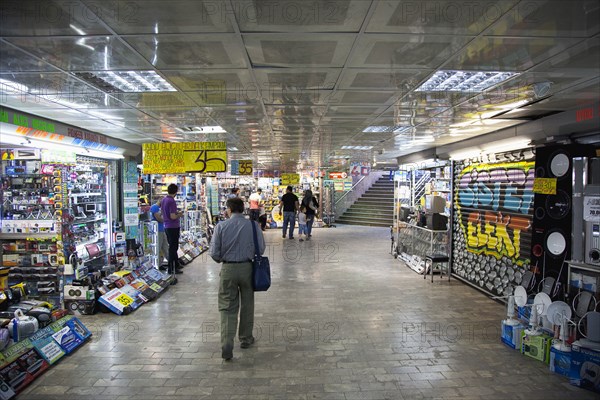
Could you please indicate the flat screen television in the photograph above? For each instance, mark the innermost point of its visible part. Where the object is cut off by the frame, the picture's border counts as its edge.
(434, 204)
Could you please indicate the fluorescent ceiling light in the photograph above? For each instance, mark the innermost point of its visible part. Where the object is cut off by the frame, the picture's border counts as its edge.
(134, 81)
(357, 147)
(463, 81)
(378, 129)
(498, 146)
(77, 29)
(400, 129)
(5, 83)
(465, 154)
(201, 129)
(506, 145)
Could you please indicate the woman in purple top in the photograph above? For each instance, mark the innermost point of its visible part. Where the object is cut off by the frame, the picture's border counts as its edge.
(171, 218)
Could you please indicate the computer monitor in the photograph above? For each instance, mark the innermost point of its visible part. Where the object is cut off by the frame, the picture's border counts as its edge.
(404, 213)
(90, 208)
(434, 204)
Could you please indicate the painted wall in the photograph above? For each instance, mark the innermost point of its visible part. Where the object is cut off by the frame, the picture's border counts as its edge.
(493, 209)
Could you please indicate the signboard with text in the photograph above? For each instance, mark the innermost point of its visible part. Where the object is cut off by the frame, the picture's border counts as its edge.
(241, 167)
(544, 185)
(290, 179)
(338, 175)
(181, 158)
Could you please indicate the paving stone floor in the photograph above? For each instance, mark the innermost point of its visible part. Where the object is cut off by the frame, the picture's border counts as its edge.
(343, 320)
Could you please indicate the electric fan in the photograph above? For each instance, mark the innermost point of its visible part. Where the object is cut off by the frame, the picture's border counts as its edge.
(559, 313)
(521, 300)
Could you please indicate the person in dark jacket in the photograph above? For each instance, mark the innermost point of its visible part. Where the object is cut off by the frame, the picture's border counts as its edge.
(311, 205)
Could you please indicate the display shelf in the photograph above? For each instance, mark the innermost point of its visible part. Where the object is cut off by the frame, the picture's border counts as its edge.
(28, 236)
(414, 243)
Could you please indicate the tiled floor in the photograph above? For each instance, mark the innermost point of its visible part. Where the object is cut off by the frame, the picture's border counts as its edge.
(343, 320)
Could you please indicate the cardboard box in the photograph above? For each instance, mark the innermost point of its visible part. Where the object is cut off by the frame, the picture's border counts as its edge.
(537, 347)
(585, 367)
(560, 362)
(512, 334)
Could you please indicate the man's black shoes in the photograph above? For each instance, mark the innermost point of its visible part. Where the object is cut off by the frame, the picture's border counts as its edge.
(247, 343)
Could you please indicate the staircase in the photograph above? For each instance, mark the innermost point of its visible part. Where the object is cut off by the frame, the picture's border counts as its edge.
(374, 208)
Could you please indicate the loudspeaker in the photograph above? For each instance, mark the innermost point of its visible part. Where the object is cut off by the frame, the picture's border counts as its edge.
(552, 217)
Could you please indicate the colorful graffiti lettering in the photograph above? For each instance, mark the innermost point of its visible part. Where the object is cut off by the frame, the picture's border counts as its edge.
(494, 204)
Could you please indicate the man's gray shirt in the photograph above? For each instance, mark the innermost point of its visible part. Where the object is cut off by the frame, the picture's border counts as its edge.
(232, 240)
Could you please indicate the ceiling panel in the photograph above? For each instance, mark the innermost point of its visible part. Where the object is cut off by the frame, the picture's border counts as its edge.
(49, 17)
(507, 54)
(158, 16)
(552, 18)
(273, 79)
(90, 53)
(300, 16)
(212, 80)
(49, 84)
(437, 17)
(285, 50)
(395, 80)
(14, 60)
(190, 51)
(405, 51)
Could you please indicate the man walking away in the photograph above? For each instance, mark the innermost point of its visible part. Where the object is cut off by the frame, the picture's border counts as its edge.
(233, 245)
(255, 203)
(289, 205)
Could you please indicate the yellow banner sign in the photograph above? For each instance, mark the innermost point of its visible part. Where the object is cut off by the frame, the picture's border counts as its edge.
(544, 185)
(180, 158)
(245, 167)
(290, 179)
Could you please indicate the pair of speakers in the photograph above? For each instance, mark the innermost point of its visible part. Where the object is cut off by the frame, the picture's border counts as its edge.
(553, 213)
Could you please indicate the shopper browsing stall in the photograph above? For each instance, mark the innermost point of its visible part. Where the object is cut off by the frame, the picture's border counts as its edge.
(310, 204)
(233, 245)
(235, 192)
(163, 244)
(288, 206)
(171, 217)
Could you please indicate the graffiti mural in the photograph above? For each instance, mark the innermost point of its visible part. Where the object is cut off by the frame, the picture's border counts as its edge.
(494, 202)
(493, 222)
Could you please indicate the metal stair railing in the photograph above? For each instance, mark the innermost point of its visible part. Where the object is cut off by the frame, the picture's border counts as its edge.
(347, 198)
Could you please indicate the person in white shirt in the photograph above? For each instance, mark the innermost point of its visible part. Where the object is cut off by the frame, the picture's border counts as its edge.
(255, 202)
(302, 228)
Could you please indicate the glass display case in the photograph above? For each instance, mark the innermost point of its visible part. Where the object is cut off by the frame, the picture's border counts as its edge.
(414, 243)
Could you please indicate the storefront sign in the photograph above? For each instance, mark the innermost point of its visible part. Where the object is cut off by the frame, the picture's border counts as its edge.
(181, 158)
(290, 179)
(58, 157)
(544, 185)
(494, 203)
(338, 175)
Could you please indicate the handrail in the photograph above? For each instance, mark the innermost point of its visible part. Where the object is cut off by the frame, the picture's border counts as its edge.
(349, 190)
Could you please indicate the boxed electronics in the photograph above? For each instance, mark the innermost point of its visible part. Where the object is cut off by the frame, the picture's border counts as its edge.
(585, 367)
(536, 346)
(512, 334)
(560, 362)
(78, 293)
